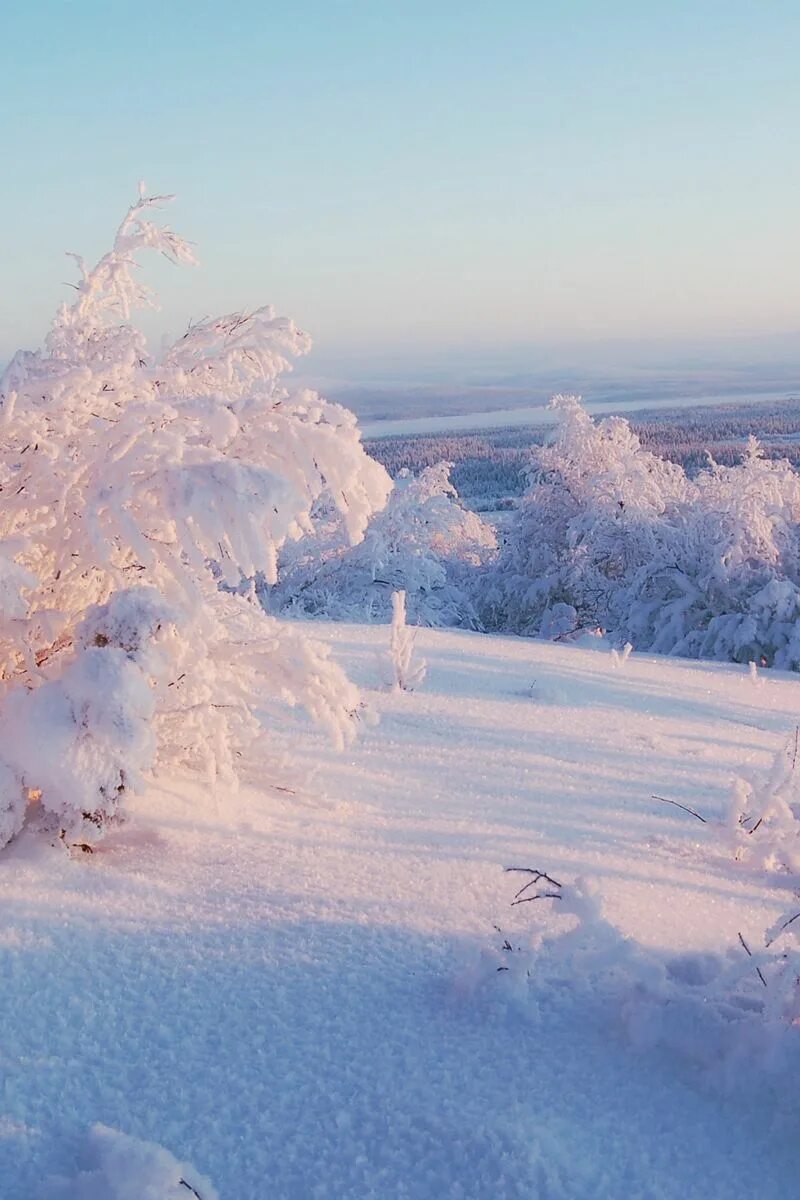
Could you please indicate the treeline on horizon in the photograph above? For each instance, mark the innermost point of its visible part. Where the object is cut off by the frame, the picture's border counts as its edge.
(489, 466)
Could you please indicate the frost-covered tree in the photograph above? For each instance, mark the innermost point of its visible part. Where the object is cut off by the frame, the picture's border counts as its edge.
(609, 535)
(423, 543)
(132, 486)
(586, 523)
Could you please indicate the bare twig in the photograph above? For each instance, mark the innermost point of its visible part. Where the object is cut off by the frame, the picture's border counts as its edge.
(538, 896)
(188, 1186)
(749, 954)
(536, 876)
(785, 925)
(664, 800)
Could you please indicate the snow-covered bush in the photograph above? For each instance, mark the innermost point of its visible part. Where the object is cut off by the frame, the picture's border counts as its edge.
(583, 528)
(120, 1167)
(423, 542)
(406, 669)
(782, 966)
(719, 1009)
(610, 536)
(764, 814)
(724, 583)
(171, 473)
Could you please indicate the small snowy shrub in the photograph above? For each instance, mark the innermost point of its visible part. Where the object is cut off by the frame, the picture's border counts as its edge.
(782, 945)
(180, 474)
(119, 1167)
(764, 814)
(717, 1009)
(406, 670)
(422, 542)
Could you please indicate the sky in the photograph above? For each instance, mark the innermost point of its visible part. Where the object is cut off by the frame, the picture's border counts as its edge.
(414, 182)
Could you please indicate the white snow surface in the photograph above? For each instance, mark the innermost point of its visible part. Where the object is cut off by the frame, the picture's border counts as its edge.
(290, 993)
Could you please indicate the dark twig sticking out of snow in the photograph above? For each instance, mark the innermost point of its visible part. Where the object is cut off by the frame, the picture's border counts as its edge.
(664, 800)
(780, 930)
(749, 954)
(188, 1186)
(521, 898)
(536, 876)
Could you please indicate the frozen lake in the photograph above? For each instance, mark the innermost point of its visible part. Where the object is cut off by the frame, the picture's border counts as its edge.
(540, 414)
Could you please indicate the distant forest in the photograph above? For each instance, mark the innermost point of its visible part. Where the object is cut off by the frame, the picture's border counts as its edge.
(489, 466)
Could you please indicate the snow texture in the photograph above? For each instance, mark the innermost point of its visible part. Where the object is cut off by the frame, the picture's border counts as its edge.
(300, 996)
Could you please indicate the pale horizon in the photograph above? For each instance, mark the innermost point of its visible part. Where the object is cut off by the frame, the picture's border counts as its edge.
(407, 183)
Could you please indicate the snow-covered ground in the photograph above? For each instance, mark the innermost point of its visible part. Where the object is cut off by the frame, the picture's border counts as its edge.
(291, 991)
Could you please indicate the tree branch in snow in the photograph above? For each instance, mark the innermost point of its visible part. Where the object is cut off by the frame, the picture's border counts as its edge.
(749, 954)
(536, 877)
(691, 811)
(782, 927)
(188, 1186)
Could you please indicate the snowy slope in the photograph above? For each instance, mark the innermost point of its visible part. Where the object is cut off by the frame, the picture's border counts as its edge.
(291, 992)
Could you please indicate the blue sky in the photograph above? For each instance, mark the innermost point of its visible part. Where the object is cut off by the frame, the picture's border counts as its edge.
(416, 179)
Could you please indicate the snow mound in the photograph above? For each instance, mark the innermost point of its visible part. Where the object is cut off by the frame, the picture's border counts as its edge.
(125, 1168)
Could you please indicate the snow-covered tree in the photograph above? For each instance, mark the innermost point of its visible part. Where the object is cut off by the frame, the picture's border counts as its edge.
(610, 536)
(585, 525)
(423, 543)
(174, 473)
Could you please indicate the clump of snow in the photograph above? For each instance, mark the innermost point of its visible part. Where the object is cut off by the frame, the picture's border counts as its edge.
(120, 1167)
(132, 620)
(81, 741)
(620, 657)
(717, 1009)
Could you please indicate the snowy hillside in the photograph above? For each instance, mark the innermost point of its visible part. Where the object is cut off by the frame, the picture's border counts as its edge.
(299, 994)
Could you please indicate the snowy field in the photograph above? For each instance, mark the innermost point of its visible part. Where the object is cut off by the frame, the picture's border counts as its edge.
(299, 994)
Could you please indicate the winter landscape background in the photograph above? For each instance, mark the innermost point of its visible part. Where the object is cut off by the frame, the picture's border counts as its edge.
(400, 685)
(520, 915)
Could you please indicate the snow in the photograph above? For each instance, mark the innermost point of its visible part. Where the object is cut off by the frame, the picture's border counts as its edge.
(296, 993)
(125, 1168)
